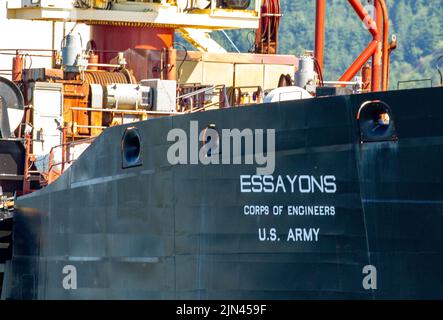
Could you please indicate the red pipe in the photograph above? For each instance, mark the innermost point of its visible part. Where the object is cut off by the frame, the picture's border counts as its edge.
(26, 179)
(364, 16)
(366, 73)
(17, 67)
(392, 47)
(377, 48)
(386, 46)
(171, 63)
(359, 62)
(378, 55)
(320, 32)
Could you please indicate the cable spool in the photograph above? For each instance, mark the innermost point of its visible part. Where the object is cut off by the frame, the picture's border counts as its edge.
(106, 77)
(267, 35)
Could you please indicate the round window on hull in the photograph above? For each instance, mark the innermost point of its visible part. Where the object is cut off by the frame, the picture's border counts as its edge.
(376, 122)
(131, 148)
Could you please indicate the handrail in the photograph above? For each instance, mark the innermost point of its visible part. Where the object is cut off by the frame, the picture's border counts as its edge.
(123, 111)
(59, 163)
(222, 93)
(67, 144)
(412, 81)
(197, 92)
(63, 145)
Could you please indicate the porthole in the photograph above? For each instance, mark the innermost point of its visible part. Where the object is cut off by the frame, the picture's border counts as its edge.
(131, 148)
(376, 122)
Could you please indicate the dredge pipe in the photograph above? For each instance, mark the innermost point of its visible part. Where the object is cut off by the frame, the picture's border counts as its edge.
(360, 61)
(320, 32)
(386, 46)
(374, 48)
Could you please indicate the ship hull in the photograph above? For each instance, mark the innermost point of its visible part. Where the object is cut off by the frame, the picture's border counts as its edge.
(348, 217)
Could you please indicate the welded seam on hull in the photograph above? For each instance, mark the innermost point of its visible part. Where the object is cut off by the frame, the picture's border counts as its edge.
(87, 183)
(96, 259)
(319, 149)
(360, 186)
(436, 202)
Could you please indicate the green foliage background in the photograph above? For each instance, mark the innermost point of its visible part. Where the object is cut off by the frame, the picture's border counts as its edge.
(418, 25)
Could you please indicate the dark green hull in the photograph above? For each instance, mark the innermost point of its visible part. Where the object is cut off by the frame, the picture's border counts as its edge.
(161, 231)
